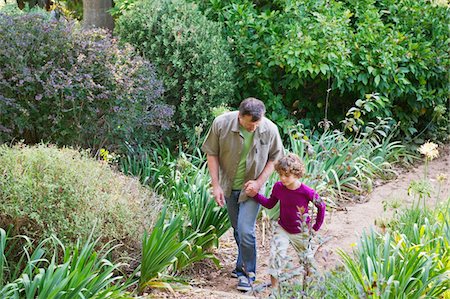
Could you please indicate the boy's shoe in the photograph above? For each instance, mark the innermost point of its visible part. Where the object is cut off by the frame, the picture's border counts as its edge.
(245, 283)
(234, 273)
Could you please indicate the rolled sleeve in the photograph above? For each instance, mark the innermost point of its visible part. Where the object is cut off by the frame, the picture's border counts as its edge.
(211, 144)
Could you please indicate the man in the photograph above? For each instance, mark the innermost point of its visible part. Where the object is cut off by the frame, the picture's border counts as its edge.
(241, 148)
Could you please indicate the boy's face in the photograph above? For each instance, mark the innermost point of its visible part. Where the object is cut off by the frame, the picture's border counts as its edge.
(290, 181)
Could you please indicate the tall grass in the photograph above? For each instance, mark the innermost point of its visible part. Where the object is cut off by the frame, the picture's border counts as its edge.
(50, 270)
(411, 263)
(184, 181)
(341, 166)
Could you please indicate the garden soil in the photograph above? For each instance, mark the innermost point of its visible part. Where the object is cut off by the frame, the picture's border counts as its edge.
(340, 230)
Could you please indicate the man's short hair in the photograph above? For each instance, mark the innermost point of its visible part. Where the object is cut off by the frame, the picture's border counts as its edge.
(253, 107)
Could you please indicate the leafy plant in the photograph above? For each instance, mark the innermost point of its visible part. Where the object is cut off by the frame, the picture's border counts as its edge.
(207, 221)
(339, 164)
(160, 250)
(410, 261)
(394, 267)
(120, 6)
(190, 56)
(83, 272)
(68, 86)
(184, 181)
(301, 56)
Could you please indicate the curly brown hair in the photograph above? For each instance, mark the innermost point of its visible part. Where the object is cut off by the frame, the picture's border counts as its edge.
(290, 164)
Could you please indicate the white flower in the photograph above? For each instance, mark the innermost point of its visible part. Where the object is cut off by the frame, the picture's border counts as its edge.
(429, 150)
(442, 177)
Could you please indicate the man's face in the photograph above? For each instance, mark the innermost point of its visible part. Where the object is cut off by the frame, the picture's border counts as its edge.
(246, 122)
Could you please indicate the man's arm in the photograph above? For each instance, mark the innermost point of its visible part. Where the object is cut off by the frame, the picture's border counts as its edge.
(252, 187)
(213, 167)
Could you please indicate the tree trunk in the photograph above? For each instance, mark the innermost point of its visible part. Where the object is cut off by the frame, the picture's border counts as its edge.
(95, 14)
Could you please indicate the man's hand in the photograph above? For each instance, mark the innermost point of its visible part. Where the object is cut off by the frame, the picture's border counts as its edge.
(252, 188)
(250, 193)
(218, 195)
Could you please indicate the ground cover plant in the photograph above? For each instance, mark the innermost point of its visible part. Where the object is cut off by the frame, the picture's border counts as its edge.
(69, 86)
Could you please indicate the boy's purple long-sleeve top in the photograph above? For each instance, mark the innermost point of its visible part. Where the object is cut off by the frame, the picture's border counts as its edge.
(290, 203)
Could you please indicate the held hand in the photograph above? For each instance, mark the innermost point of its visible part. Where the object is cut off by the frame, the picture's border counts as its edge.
(218, 195)
(250, 193)
(252, 188)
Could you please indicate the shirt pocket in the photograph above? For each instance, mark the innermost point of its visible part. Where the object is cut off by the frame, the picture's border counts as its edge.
(261, 150)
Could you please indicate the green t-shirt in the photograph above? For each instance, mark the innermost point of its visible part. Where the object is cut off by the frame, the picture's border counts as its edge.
(238, 182)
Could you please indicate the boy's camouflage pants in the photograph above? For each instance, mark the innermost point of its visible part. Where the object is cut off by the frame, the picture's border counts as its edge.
(279, 246)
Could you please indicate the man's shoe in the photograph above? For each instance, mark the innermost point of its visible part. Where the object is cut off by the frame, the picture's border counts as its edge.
(244, 284)
(234, 273)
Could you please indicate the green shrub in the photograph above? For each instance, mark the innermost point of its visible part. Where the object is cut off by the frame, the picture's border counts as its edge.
(297, 54)
(190, 54)
(62, 85)
(45, 190)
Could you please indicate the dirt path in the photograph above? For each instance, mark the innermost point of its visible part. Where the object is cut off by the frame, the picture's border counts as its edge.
(341, 229)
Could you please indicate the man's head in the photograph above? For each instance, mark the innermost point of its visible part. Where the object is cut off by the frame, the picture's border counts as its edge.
(251, 112)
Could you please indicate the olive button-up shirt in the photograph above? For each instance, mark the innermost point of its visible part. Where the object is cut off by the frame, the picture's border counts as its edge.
(225, 141)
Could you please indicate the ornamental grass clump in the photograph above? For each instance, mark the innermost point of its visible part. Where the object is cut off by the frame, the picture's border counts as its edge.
(184, 182)
(51, 270)
(46, 190)
(412, 260)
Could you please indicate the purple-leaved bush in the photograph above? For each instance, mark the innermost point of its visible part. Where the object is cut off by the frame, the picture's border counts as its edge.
(69, 86)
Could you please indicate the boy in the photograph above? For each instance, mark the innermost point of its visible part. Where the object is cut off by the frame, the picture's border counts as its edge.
(293, 225)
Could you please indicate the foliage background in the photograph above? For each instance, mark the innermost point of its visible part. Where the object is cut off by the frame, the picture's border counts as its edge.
(71, 87)
(311, 59)
(190, 54)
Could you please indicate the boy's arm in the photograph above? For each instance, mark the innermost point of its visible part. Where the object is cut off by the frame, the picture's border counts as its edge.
(267, 202)
(320, 204)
